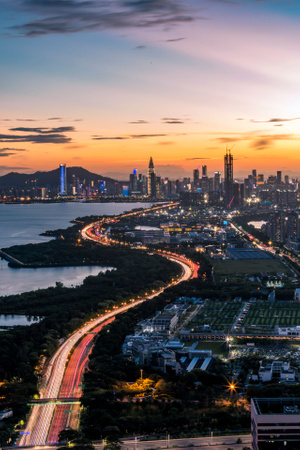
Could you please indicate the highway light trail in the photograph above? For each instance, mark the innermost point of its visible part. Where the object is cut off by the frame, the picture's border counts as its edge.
(62, 378)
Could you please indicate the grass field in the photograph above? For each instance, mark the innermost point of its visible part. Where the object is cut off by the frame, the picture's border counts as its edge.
(217, 348)
(230, 267)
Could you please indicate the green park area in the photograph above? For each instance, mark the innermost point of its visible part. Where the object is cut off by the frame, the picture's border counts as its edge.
(217, 348)
(250, 267)
(265, 315)
(219, 315)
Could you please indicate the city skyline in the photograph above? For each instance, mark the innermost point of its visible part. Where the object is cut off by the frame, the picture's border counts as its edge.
(106, 87)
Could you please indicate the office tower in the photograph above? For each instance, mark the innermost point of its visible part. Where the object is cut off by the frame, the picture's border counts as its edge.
(254, 177)
(204, 171)
(260, 178)
(196, 178)
(275, 227)
(238, 194)
(228, 177)
(279, 176)
(63, 179)
(151, 182)
(292, 225)
(286, 179)
(102, 187)
(133, 182)
(217, 181)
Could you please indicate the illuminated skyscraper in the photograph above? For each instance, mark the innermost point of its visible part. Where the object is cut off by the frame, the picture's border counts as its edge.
(228, 177)
(63, 179)
(151, 182)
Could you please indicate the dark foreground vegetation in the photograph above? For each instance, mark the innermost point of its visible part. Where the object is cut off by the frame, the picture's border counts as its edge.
(65, 309)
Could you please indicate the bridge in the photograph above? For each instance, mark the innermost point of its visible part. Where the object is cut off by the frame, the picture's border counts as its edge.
(55, 401)
(10, 258)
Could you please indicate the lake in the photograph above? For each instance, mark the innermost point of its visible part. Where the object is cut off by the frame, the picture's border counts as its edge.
(22, 224)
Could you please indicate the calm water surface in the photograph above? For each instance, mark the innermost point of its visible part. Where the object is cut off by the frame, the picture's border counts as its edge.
(9, 320)
(22, 224)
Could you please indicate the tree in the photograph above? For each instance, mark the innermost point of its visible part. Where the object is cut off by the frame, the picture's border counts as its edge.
(68, 435)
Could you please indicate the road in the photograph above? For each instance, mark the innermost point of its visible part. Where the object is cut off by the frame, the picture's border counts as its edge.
(46, 421)
(211, 441)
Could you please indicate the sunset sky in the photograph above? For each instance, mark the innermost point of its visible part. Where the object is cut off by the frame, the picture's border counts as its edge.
(107, 84)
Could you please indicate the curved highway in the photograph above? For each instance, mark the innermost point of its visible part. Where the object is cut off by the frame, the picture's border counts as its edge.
(47, 420)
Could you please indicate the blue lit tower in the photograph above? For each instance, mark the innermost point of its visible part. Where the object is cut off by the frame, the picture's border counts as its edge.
(63, 179)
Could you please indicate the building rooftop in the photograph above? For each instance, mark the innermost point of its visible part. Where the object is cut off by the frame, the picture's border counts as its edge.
(277, 406)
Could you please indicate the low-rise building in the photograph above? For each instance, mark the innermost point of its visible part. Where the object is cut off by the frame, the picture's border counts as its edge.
(275, 370)
(275, 421)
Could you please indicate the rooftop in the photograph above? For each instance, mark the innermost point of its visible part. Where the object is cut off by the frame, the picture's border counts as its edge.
(276, 405)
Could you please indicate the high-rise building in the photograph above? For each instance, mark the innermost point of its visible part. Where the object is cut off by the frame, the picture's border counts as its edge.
(151, 182)
(279, 176)
(196, 178)
(133, 183)
(204, 171)
(254, 177)
(260, 178)
(63, 179)
(228, 177)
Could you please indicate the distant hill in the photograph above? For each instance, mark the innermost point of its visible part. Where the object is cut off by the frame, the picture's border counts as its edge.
(51, 178)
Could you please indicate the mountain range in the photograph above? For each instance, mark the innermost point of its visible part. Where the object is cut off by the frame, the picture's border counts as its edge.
(52, 178)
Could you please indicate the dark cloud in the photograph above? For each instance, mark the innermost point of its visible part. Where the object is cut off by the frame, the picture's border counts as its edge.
(140, 47)
(132, 136)
(139, 122)
(274, 120)
(55, 118)
(193, 159)
(7, 151)
(27, 120)
(228, 140)
(36, 139)
(73, 16)
(262, 144)
(43, 130)
(14, 168)
(175, 40)
(172, 120)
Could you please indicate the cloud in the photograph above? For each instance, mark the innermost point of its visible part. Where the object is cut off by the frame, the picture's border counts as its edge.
(262, 144)
(193, 159)
(140, 47)
(14, 168)
(7, 151)
(132, 136)
(274, 120)
(74, 147)
(27, 120)
(36, 139)
(43, 130)
(73, 16)
(172, 120)
(166, 143)
(174, 40)
(55, 118)
(139, 122)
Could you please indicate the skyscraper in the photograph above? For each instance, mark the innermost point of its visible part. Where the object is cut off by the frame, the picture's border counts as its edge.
(63, 179)
(228, 177)
(151, 182)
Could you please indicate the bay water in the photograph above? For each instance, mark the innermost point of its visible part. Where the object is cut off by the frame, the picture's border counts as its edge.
(22, 224)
